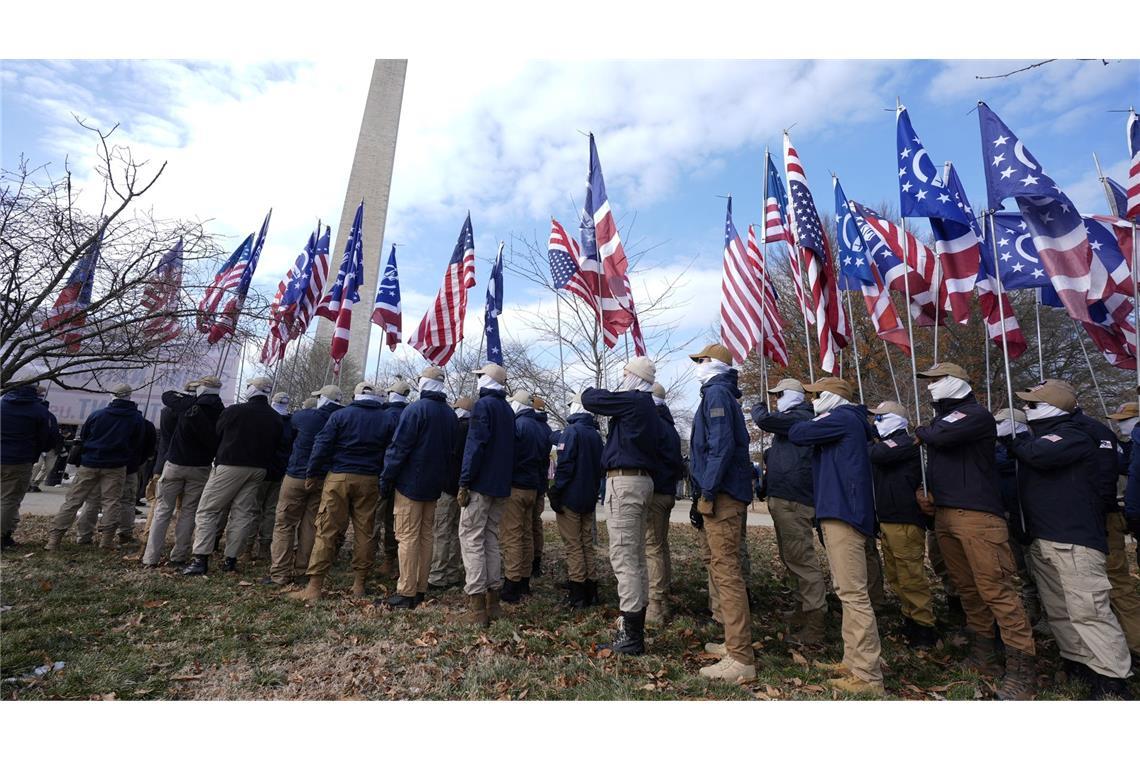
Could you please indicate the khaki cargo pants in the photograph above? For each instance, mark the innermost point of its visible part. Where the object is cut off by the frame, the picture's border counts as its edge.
(904, 552)
(294, 528)
(104, 486)
(1125, 598)
(14, 482)
(414, 521)
(123, 519)
(657, 545)
(1074, 589)
(722, 530)
(180, 489)
(230, 489)
(479, 543)
(795, 540)
(577, 532)
(539, 540)
(446, 558)
(345, 497)
(706, 559)
(847, 558)
(516, 534)
(627, 500)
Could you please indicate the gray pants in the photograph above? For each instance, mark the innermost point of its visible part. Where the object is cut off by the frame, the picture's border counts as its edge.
(14, 481)
(446, 557)
(177, 480)
(104, 486)
(795, 541)
(124, 515)
(627, 500)
(479, 542)
(228, 485)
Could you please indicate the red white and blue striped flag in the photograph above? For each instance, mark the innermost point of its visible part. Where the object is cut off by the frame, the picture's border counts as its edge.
(774, 346)
(68, 315)
(337, 305)
(226, 322)
(564, 254)
(304, 295)
(1132, 128)
(161, 295)
(777, 229)
(228, 276)
(441, 329)
(386, 308)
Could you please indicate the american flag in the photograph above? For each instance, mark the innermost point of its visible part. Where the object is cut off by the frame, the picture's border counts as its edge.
(1132, 128)
(992, 310)
(777, 229)
(304, 295)
(564, 254)
(226, 323)
(900, 256)
(386, 308)
(492, 310)
(1117, 197)
(831, 323)
(161, 295)
(281, 313)
(1116, 340)
(69, 313)
(922, 192)
(859, 271)
(441, 329)
(774, 346)
(337, 305)
(227, 277)
(741, 295)
(1054, 223)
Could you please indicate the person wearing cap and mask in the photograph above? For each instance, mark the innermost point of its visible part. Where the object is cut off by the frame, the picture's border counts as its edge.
(516, 531)
(539, 405)
(126, 513)
(667, 471)
(348, 449)
(897, 468)
(722, 473)
(446, 558)
(629, 456)
(574, 499)
(249, 443)
(174, 402)
(111, 437)
(296, 512)
(1016, 424)
(791, 505)
(969, 520)
(412, 471)
(1125, 596)
(45, 464)
(1056, 481)
(484, 485)
(385, 537)
(28, 430)
(845, 509)
(193, 443)
(268, 495)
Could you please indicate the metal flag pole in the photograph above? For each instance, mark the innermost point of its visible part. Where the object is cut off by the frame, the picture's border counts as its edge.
(764, 289)
(1088, 363)
(891, 367)
(855, 346)
(1040, 348)
(379, 353)
(913, 348)
(1001, 311)
(937, 300)
(986, 348)
(561, 360)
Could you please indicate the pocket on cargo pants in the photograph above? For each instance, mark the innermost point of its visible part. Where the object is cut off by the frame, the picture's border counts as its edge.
(618, 519)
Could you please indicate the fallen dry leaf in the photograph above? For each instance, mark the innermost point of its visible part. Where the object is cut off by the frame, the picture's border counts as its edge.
(151, 604)
(46, 586)
(245, 583)
(648, 687)
(798, 658)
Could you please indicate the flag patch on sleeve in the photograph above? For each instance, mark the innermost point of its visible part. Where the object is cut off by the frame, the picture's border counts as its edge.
(953, 417)
(1052, 437)
(892, 444)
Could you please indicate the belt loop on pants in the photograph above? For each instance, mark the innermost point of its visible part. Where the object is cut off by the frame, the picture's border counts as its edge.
(625, 471)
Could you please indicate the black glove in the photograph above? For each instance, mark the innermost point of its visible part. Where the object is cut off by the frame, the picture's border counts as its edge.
(387, 489)
(554, 495)
(762, 489)
(1133, 522)
(696, 518)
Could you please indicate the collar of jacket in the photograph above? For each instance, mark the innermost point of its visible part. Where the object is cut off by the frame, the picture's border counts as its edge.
(367, 403)
(727, 379)
(900, 433)
(395, 404)
(1042, 427)
(262, 400)
(123, 404)
(525, 413)
(582, 418)
(433, 395)
(23, 394)
(947, 405)
(484, 392)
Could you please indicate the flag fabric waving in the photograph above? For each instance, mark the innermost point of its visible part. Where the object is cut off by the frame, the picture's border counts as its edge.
(345, 291)
(1132, 128)
(774, 346)
(441, 329)
(226, 322)
(1115, 340)
(492, 310)
(1053, 221)
(564, 254)
(68, 316)
(777, 228)
(905, 263)
(386, 309)
(603, 252)
(1117, 197)
(303, 296)
(831, 323)
(161, 295)
(741, 294)
(281, 311)
(227, 277)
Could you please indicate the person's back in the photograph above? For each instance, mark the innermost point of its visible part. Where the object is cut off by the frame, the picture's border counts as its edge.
(579, 466)
(112, 435)
(532, 451)
(427, 428)
(488, 458)
(194, 441)
(1106, 459)
(307, 424)
(28, 428)
(249, 434)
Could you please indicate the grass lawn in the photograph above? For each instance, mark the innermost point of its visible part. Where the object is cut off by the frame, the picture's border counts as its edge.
(128, 633)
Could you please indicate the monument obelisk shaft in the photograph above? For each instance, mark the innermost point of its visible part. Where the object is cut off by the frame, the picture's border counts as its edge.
(369, 180)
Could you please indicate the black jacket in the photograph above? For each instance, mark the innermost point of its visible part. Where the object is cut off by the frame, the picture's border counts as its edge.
(632, 439)
(960, 468)
(788, 466)
(668, 470)
(276, 473)
(1056, 481)
(146, 447)
(1106, 459)
(173, 404)
(195, 438)
(249, 435)
(455, 462)
(897, 472)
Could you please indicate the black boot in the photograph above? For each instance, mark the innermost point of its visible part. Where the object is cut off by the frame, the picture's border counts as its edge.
(397, 602)
(200, 565)
(512, 591)
(956, 615)
(536, 567)
(420, 597)
(591, 593)
(229, 565)
(630, 638)
(525, 586)
(922, 636)
(577, 598)
(7, 542)
(1105, 687)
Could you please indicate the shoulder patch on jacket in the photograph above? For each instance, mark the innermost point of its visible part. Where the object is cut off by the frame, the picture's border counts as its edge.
(1052, 437)
(954, 417)
(825, 414)
(716, 411)
(892, 444)
(561, 446)
(1107, 445)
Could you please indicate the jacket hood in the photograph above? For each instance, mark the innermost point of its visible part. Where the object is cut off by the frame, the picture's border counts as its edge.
(541, 417)
(25, 394)
(433, 395)
(727, 379)
(664, 413)
(582, 418)
(122, 407)
(210, 399)
(947, 405)
(526, 413)
(260, 400)
(492, 392)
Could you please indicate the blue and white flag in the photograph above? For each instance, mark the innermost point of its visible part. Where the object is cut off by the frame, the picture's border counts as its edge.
(493, 309)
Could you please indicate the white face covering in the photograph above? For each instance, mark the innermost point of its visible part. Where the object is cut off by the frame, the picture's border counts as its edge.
(322, 400)
(708, 370)
(659, 401)
(281, 409)
(948, 387)
(788, 399)
(486, 381)
(1006, 428)
(364, 397)
(462, 413)
(631, 382)
(1125, 426)
(427, 384)
(396, 398)
(1043, 411)
(518, 406)
(889, 424)
(577, 409)
(202, 390)
(251, 392)
(827, 401)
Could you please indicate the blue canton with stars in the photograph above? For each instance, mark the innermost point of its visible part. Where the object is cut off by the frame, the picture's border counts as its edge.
(922, 191)
(852, 251)
(492, 311)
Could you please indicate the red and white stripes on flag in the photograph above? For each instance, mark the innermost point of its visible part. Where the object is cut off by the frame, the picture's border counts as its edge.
(311, 299)
(774, 347)
(992, 313)
(161, 295)
(441, 329)
(1132, 186)
(959, 259)
(741, 296)
(911, 260)
(565, 255)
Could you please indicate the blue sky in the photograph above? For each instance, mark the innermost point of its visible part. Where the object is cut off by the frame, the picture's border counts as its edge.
(501, 138)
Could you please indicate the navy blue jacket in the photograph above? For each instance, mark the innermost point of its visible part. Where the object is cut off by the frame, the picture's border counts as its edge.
(306, 424)
(489, 456)
(1057, 483)
(1007, 473)
(195, 438)
(632, 440)
(455, 457)
(551, 439)
(579, 465)
(897, 470)
(112, 435)
(718, 445)
(249, 435)
(961, 471)
(352, 441)
(532, 451)
(841, 465)
(669, 469)
(27, 428)
(787, 466)
(276, 471)
(1132, 490)
(1106, 460)
(426, 434)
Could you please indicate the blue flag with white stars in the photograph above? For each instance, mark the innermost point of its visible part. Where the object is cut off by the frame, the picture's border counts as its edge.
(852, 254)
(921, 189)
(493, 309)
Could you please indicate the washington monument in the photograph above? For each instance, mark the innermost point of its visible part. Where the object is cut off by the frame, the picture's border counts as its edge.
(369, 180)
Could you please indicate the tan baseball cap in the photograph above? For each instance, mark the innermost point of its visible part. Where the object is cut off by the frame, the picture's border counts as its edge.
(945, 369)
(263, 384)
(191, 385)
(1051, 392)
(281, 397)
(713, 351)
(1125, 411)
(121, 390)
(401, 387)
(836, 385)
(890, 407)
(539, 403)
(642, 367)
(658, 390)
(464, 402)
(787, 384)
(310, 403)
(522, 397)
(331, 392)
(493, 371)
(210, 381)
(1018, 416)
(366, 388)
(432, 372)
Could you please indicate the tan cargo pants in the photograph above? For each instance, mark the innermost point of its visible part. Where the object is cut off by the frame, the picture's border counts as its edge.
(657, 545)
(722, 529)
(516, 534)
(294, 528)
(577, 532)
(104, 486)
(627, 499)
(706, 559)
(847, 558)
(479, 543)
(1074, 589)
(179, 490)
(539, 540)
(904, 550)
(1125, 597)
(414, 521)
(345, 497)
(14, 482)
(123, 519)
(233, 489)
(446, 558)
(795, 541)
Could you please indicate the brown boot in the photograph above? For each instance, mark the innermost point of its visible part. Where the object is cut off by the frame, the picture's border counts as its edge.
(55, 538)
(812, 630)
(358, 585)
(312, 592)
(477, 610)
(107, 539)
(494, 609)
(983, 657)
(387, 567)
(1020, 680)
